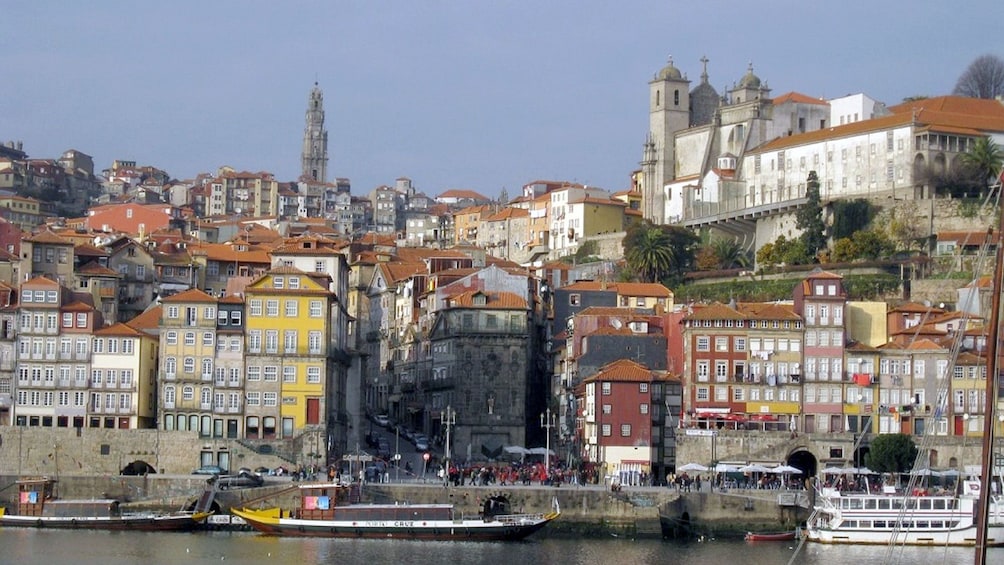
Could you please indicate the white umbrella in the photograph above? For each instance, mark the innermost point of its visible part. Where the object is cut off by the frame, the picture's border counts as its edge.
(726, 468)
(927, 473)
(781, 469)
(838, 471)
(516, 449)
(691, 467)
(754, 468)
(950, 473)
(540, 451)
(864, 471)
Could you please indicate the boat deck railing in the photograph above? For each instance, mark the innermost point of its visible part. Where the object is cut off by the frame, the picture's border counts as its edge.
(519, 518)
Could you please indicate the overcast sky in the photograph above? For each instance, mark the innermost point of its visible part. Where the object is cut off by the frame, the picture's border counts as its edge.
(464, 94)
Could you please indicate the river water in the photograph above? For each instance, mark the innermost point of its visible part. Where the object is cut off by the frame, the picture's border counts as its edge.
(74, 547)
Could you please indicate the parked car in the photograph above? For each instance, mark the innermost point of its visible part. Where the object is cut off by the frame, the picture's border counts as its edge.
(243, 479)
(208, 470)
(422, 444)
(381, 420)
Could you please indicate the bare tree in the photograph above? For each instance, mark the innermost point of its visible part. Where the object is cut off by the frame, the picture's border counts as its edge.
(983, 78)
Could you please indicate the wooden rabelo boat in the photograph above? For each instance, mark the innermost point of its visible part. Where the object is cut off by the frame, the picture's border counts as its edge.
(38, 507)
(324, 510)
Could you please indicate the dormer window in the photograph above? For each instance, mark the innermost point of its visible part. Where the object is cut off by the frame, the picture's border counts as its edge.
(278, 282)
(480, 299)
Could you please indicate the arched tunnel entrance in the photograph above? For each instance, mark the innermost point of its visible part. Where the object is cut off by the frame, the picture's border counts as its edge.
(805, 461)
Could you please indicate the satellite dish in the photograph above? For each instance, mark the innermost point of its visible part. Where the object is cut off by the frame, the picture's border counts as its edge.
(616, 323)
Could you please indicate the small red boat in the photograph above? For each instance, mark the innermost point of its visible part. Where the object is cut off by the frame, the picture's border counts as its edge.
(775, 536)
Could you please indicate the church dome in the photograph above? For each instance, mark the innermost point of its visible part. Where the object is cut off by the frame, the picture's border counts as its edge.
(749, 80)
(670, 72)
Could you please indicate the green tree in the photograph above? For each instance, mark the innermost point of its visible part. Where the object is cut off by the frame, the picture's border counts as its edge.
(844, 250)
(730, 254)
(873, 244)
(651, 255)
(809, 218)
(659, 253)
(891, 453)
(984, 159)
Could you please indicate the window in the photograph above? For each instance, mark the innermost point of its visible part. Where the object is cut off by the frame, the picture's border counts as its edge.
(643, 408)
(81, 320)
(171, 338)
(254, 399)
(254, 373)
(255, 307)
(189, 364)
(606, 389)
(289, 339)
(574, 299)
(703, 343)
(189, 338)
(271, 373)
(315, 308)
(606, 430)
(209, 313)
(608, 409)
(643, 388)
(269, 399)
(272, 308)
(625, 430)
(278, 282)
(314, 375)
(721, 343)
(703, 370)
(291, 308)
(207, 339)
(289, 374)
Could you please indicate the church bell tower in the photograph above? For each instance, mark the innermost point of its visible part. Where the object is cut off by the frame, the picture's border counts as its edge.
(314, 158)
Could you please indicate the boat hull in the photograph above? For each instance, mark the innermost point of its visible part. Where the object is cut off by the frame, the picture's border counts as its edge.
(142, 523)
(778, 536)
(964, 537)
(502, 528)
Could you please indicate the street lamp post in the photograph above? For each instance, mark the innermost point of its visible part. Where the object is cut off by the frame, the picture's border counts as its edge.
(547, 421)
(449, 419)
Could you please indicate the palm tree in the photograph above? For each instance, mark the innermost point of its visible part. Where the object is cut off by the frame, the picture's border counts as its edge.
(652, 254)
(730, 254)
(985, 159)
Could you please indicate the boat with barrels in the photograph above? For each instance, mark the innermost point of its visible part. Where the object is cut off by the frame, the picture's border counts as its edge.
(38, 506)
(326, 510)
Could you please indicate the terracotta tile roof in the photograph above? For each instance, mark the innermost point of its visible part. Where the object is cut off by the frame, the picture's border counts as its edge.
(507, 214)
(922, 344)
(768, 311)
(968, 237)
(622, 370)
(190, 295)
(231, 299)
(497, 300)
(463, 193)
(88, 250)
(46, 236)
(120, 329)
(654, 290)
(799, 98)
(967, 358)
(481, 209)
(715, 311)
(94, 268)
(149, 319)
(41, 282)
(915, 308)
(397, 271)
(77, 306)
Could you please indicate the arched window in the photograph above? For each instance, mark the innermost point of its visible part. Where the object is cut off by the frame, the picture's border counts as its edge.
(676, 97)
(658, 98)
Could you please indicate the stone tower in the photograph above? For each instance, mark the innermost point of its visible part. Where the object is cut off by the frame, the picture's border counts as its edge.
(315, 139)
(668, 113)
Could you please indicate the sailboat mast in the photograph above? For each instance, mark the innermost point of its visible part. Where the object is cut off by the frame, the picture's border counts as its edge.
(989, 421)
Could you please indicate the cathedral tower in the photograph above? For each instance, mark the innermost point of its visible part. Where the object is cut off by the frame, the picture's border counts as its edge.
(315, 139)
(668, 113)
